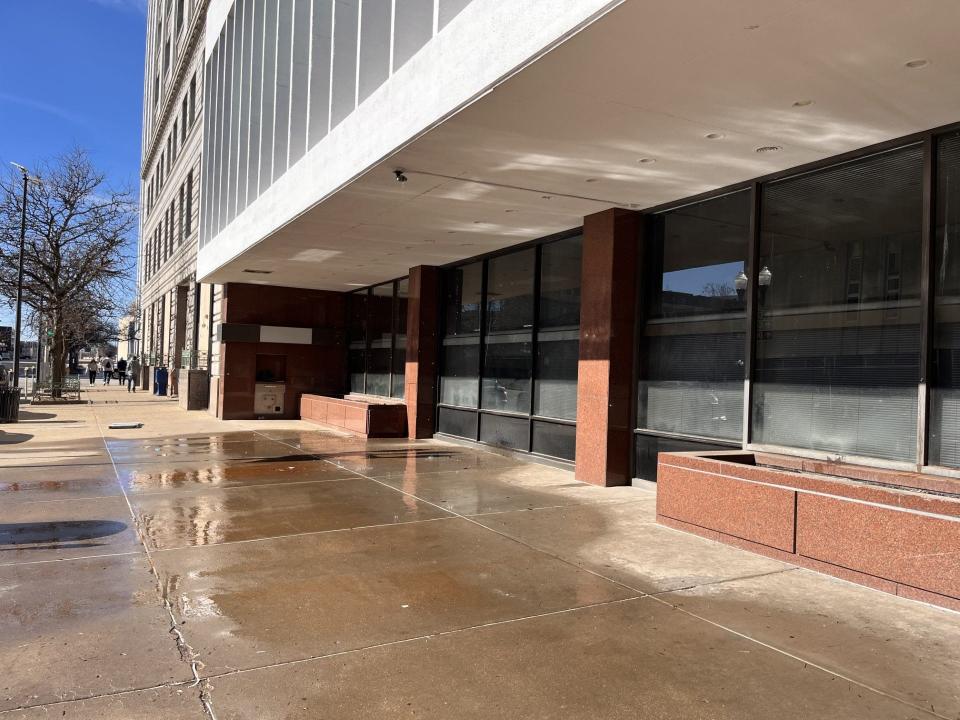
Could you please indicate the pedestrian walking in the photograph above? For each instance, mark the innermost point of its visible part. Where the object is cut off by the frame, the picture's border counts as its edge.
(133, 372)
(107, 367)
(92, 370)
(122, 370)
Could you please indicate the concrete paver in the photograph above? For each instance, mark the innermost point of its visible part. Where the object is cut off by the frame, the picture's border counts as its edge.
(142, 478)
(208, 517)
(387, 462)
(622, 541)
(30, 484)
(138, 454)
(253, 604)
(622, 661)
(905, 648)
(61, 529)
(503, 488)
(178, 702)
(312, 574)
(81, 628)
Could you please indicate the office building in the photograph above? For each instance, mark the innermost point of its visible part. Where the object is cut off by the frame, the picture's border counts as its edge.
(595, 231)
(175, 328)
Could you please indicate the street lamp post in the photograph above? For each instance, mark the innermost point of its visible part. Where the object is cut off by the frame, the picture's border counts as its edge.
(23, 237)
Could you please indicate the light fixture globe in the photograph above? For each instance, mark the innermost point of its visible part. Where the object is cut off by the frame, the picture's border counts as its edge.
(740, 281)
(765, 277)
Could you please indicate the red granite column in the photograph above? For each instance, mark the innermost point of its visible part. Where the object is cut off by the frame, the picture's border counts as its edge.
(611, 241)
(423, 316)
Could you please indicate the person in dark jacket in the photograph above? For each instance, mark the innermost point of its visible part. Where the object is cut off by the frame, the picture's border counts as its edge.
(122, 370)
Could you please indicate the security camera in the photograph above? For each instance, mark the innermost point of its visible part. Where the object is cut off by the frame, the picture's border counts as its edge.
(401, 178)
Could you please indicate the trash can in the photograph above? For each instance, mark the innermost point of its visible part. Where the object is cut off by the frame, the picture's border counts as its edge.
(160, 377)
(9, 404)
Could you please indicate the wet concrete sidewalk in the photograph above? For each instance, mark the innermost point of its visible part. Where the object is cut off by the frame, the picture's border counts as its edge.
(195, 568)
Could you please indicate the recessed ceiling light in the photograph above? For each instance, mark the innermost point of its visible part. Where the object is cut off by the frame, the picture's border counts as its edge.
(509, 210)
(751, 27)
(356, 285)
(546, 197)
(803, 103)
(713, 136)
(646, 161)
(769, 149)
(591, 180)
(258, 272)
(914, 64)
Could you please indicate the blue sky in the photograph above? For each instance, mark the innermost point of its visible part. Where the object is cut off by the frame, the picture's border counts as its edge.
(71, 74)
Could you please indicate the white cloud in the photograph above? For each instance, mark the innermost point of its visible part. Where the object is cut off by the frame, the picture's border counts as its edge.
(123, 5)
(42, 107)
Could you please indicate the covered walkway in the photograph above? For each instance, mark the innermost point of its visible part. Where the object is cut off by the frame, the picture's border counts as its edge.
(198, 568)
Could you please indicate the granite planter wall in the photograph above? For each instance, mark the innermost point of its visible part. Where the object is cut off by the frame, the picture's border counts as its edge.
(883, 529)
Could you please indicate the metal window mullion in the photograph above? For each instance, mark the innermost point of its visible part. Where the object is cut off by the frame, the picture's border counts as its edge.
(750, 347)
(640, 309)
(927, 297)
(482, 344)
(367, 309)
(393, 338)
(534, 342)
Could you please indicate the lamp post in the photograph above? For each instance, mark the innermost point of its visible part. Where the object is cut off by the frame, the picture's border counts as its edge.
(23, 235)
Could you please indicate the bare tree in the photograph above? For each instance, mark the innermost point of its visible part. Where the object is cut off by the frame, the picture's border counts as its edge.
(78, 263)
(721, 289)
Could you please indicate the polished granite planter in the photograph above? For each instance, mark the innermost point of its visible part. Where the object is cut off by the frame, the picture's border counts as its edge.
(896, 532)
(365, 417)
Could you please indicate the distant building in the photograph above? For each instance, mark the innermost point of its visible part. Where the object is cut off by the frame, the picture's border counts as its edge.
(127, 337)
(175, 310)
(6, 342)
(28, 350)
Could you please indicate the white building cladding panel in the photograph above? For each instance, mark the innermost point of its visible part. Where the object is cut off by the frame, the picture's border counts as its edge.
(341, 84)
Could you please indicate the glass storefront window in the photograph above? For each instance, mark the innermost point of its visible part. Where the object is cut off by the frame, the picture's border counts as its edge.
(380, 339)
(528, 372)
(462, 295)
(558, 334)
(400, 340)
(694, 334)
(944, 447)
(560, 267)
(838, 341)
(508, 354)
(372, 340)
(357, 339)
(462, 298)
(510, 291)
(459, 383)
(507, 370)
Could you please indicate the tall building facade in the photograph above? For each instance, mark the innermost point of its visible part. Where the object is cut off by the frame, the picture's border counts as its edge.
(175, 310)
(593, 231)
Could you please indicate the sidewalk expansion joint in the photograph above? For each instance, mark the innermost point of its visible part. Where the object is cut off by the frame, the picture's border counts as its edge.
(97, 696)
(187, 653)
(656, 598)
(798, 658)
(428, 636)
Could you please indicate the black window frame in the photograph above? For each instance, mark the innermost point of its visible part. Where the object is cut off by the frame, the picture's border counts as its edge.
(532, 420)
(929, 140)
(394, 326)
